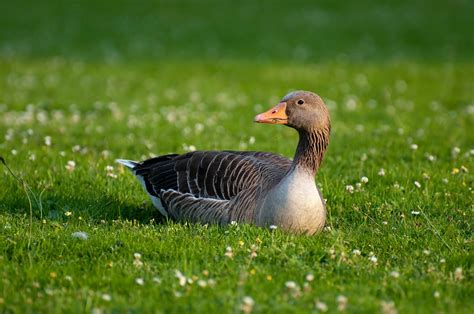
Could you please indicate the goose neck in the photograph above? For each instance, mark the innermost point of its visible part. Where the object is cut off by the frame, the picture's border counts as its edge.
(310, 151)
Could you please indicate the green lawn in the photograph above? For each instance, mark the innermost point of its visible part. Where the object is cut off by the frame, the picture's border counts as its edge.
(83, 83)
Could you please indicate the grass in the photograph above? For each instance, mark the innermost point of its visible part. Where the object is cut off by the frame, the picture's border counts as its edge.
(120, 80)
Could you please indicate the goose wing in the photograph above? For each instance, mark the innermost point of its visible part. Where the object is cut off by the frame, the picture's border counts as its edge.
(211, 174)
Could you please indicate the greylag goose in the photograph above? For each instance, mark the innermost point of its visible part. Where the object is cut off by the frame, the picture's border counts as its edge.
(247, 187)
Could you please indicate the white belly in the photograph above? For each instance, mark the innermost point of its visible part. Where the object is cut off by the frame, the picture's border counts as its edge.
(294, 204)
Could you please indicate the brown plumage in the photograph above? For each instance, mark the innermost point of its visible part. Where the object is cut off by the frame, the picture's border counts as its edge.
(250, 187)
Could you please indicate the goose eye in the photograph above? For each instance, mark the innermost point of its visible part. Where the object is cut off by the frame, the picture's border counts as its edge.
(300, 102)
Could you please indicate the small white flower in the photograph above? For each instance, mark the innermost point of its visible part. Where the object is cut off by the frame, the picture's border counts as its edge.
(247, 304)
(381, 172)
(356, 252)
(109, 168)
(233, 222)
(417, 184)
(106, 297)
(458, 274)
(228, 252)
(414, 146)
(137, 255)
(309, 277)
(273, 227)
(181, 278)
(71, 165)
(202, 283)
(341, 303)
(394, 274)
(14, 152)
(373, 259)
(32, 157)
(321, 306)
(426, 252)
(364, 180)
(415, 212)
(47, 140)
(430, 157)
(455, 151)
(291, 285)
(156, 280)
(76, 148)
(442, 261)
(350, 188)
(140, 281)
(80, 235)
(436, 294)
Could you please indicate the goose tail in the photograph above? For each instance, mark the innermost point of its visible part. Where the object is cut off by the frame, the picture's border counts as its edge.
(130, 164)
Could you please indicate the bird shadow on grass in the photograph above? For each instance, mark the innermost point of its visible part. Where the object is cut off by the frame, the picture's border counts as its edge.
(60, 207)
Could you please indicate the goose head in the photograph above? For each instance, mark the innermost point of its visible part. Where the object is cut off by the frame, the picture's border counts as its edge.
(302, 110)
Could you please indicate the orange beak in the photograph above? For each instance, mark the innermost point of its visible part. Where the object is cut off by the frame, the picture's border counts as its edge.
(276, 115)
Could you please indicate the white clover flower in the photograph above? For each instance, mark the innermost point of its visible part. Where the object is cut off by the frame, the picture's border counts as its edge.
(80, 235)
(430, 157)
(181, 278)
(458, 276)
(321, 306)
(373, 259)
(381, 172)
(414, 146)
(436, 294)
(415, 212)
(394, 274)
(247, 304)
(309, 277)
(140, 281)
(202, 283)
(350, 188)
(106, 297)
(71, 165)
(356, 252)
(47, 140)
(228, 252)
(364, 180)
(417, 184)
(291, 285)
(341, 303)
(455, 151)
(273, 227)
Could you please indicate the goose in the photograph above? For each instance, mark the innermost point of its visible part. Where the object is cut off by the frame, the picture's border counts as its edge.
(260, 188)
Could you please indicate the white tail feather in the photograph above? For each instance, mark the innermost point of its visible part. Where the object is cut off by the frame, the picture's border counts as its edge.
(127, 163)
